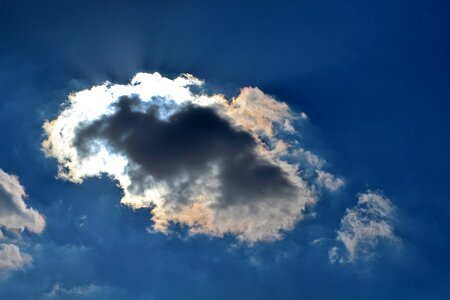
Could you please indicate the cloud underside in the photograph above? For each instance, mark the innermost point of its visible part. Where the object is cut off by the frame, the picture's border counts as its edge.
(216, 165)
(15, 217)
(363, 228)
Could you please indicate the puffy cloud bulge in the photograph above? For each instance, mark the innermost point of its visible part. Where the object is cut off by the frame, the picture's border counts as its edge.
(214, 164)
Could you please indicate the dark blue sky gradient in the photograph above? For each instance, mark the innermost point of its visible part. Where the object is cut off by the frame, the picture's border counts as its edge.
(373, 77)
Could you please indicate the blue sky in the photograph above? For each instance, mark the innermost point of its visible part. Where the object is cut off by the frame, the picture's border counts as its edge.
(372, 77)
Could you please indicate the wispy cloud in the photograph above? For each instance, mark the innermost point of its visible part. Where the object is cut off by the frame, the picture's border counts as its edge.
(59, 291)
(88, 291)
(329, 181)
(363, 228)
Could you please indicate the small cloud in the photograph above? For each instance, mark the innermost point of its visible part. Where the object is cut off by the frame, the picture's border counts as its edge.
(319, 241)
(363, 228)
(59, 291)
(312, 160)
(83, 220)
(88, 291)
(14, 214)
(329, 181)
(11, 258)
(16, 217)
(255, 261)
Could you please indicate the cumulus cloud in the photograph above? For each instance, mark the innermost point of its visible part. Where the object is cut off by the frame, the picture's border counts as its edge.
(363, 227)
(214, 164)
(15, 216)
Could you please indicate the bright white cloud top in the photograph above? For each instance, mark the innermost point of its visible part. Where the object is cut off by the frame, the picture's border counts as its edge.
(214, 164)
(15, 217)
(363, 228)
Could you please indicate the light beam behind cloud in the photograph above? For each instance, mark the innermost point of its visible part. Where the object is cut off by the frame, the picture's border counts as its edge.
(216, 165)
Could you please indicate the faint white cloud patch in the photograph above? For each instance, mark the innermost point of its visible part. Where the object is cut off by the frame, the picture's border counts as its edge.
(363, 228)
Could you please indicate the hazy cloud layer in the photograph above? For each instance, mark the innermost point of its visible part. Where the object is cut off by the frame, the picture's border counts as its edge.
(214, 164)
(15, 216)
(363, 227)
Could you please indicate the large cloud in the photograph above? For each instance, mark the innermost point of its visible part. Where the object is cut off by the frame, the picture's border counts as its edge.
(16, 217)
(216, 165)
(363, 227)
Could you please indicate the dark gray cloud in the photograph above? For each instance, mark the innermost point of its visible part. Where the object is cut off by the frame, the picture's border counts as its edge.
(186, 144)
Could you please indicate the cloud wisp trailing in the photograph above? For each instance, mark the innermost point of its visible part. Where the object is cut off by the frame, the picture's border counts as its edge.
(330, 181)
(15, 217)
(363, 228)
(214, 164)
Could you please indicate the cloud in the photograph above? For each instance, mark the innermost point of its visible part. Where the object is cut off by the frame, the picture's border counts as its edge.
(214, 164)
(14, 213)
(15, 216)
(11, 258)
(88, 291)
(363, 228)
(58, 291)
(329, 181)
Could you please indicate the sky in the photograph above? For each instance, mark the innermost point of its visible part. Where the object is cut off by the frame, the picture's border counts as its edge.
(224, 149)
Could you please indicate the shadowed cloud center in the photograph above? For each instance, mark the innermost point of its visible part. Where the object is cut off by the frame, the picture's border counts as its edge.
(187, 144)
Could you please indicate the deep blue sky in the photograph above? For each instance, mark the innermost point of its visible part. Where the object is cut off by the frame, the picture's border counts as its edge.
(373, 77)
